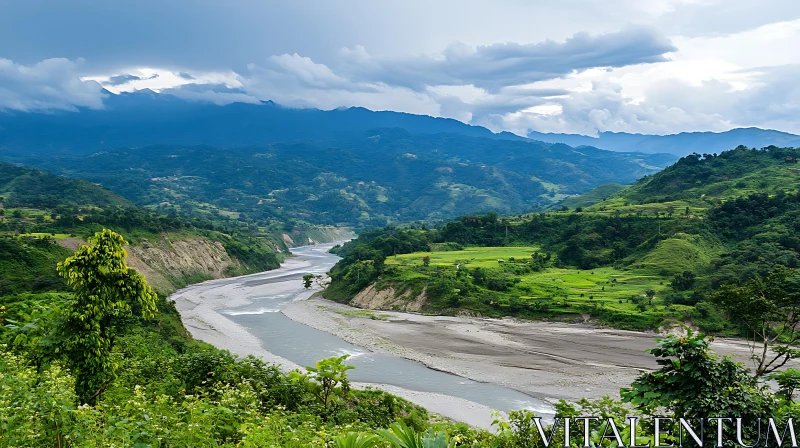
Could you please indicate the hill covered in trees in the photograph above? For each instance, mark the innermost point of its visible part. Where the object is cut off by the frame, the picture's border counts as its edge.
(385, 175)
(43, 217)
(651, 254)
(265, 163)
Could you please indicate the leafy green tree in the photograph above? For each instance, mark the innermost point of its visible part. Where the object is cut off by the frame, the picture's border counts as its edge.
(106, 292)
(788, 381)
(330, 373)
(683, 281)
(308, 280)
(693, 382)
(769, 309)
(650, 295)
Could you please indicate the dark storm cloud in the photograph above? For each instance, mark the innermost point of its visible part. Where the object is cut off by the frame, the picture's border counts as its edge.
(500, 65)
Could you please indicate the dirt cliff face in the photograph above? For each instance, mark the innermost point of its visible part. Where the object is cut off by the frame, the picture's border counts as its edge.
(388, 299)
(173, 261)
(169, 264)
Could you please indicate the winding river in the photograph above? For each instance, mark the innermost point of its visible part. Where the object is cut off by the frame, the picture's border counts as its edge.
(305, 345)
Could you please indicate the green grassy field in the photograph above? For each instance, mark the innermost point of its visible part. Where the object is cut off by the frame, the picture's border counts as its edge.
(54, 236)
(485, 257)
(557, 292)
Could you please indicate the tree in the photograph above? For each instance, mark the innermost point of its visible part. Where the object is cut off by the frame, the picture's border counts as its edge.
(788, 381)
(683, 281)
(106, 292)
(650, 295)
(330, 373)
(769, 309)
(693, 382)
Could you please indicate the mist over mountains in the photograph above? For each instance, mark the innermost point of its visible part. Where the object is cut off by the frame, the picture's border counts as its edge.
(351, 167)
(679, 144)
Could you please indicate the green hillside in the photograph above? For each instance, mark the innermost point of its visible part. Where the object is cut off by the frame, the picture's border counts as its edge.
(382, 176)
(591, 197)
(42, 215)
(651, 254)
(164, 388)
(24, 187)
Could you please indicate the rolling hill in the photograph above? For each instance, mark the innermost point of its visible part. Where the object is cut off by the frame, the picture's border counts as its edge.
(647, 256)
(44, 217)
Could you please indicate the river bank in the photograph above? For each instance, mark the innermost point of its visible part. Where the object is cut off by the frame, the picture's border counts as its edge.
(203, 309)
(270, 314)
(547, 360)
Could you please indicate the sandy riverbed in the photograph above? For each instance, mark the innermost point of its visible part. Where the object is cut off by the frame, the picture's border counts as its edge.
(543, 359)
(200, 307)
(546, 360)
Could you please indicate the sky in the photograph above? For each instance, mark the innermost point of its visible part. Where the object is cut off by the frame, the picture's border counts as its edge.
(574, 66)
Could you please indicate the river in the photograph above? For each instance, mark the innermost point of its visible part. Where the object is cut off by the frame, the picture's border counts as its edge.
(304, 345)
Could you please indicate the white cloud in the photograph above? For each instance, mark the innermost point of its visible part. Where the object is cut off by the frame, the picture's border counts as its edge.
(47, 85)
(563, 65)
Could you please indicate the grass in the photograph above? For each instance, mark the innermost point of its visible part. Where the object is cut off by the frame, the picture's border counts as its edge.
(485, 257)
(365, 313)
(55, 236)
(682, 253)
(607, 292)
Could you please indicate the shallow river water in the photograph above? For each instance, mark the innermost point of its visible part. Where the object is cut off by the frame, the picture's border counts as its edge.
(305, 345)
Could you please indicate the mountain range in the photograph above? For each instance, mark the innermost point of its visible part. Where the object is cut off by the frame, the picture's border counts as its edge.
(678, 144)
(344, 167)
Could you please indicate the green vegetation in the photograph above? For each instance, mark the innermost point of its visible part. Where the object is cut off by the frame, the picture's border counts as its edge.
(38, 210)
(96, 358)
(105, 290)
(651, 255)
(592, 196)
(113, 347)
(360, 180)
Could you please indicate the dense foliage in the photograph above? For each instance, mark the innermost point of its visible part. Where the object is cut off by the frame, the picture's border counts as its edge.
(684, 228)
(38, 209)
(386, 175)
(145, 382)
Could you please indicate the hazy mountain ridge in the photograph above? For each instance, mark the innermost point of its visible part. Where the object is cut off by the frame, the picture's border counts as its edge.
(276, 164)
(679, 144)
(147, 118)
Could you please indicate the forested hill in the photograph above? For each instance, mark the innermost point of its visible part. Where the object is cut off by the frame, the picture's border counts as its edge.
(651, 254)
(44, 217)
(385, 175)
(25, 187)
(346, 167)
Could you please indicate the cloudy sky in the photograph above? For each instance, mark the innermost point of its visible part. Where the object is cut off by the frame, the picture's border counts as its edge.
(578, 66)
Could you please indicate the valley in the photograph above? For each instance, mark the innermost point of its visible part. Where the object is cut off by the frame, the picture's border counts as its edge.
(399, 224)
